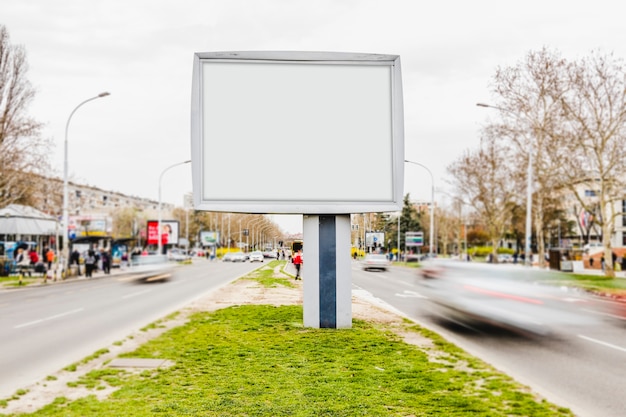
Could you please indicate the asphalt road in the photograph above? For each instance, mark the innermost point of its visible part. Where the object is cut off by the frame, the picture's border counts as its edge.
(44, 329)
(579, 367)
(47, 328)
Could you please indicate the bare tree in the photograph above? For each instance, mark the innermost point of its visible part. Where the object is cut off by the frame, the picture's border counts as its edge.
(595, 112)
(22, 151)
(484, 178)
(528, 97)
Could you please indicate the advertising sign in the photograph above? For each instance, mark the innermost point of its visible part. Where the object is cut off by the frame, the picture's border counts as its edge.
(414, 239)
(82, 226)
(209, 238)
(374, 239)
(343, 111)
(169, 232)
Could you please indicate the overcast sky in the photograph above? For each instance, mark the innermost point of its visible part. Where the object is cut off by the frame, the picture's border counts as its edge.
(142, 52)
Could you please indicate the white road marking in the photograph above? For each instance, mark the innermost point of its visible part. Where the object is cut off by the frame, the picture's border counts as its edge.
(31, 323)
(135, 294)
(600, 342)
(410, 294)
(600, 313)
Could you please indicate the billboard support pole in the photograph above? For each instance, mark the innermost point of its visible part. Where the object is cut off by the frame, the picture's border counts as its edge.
(327, 273)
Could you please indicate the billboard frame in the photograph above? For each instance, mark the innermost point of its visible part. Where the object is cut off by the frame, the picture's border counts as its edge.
(226, 131)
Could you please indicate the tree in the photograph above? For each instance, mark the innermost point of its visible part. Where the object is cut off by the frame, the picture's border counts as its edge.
(594, 109)
(528, 96)
(484, 178)
(126, 221)
(410, 219)
(22, 151)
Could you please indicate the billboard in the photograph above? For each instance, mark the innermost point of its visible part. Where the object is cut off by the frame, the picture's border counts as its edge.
(332, 113)
(82, 226)
(375, 239)
(169, 232)
(414, 239)
(209, 238)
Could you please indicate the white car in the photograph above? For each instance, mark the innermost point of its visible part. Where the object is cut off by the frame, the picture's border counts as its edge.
(256, 256)
(375, 261)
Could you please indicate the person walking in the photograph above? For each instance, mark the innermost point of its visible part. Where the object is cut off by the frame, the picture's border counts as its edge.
(297, 261)
(90, 263)
(105, 256)
(49, 257)
(75, 260)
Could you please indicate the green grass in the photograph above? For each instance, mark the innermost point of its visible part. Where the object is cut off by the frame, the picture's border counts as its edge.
(265, 275)
(596, 283)
(261, 361)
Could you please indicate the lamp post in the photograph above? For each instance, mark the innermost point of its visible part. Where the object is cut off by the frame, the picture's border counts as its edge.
(65, 255)
(529, 194)
(432, 206)
(159, 237)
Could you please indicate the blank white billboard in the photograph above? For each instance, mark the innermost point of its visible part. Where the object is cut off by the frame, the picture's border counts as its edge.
(297, 132)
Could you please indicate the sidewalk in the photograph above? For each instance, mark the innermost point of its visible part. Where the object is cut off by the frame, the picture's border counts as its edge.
(40, 280)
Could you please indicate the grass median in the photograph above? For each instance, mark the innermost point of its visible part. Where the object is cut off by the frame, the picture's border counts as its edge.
(259, 360)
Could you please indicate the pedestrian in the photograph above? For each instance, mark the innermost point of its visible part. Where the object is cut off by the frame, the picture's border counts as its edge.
(75, 260)
(297, 261)
(590, 261)
(602, 263)
(106, 261)
(22, 262)
(49, 257)
(34, 257)
(90, 263)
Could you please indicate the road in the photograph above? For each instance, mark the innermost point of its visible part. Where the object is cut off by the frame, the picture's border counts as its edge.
(582, 368)
(44, 329)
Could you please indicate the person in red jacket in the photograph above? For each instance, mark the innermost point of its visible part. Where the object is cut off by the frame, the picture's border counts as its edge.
(297, 261)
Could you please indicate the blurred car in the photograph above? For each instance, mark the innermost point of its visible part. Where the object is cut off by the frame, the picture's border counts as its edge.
(375, 261)
(517, 298)
(505, 258)
(150, 268)
(256, 256)
(178, 255)
(235, 257)
(270, 254)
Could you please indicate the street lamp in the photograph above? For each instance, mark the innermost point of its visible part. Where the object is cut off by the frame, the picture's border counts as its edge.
(159, 237)
(65, 255)
(432, 206)
(529, 194)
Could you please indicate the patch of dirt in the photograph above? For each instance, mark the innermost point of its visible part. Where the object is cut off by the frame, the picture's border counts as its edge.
(240, 292)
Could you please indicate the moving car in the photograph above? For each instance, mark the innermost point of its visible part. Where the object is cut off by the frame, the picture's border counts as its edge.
(375, 261)
(235, 257)
(150, 268)
(523, 300)
(256, 256)
(178, 255)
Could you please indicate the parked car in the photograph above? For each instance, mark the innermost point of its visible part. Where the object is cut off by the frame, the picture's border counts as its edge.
(505, 258)
(256, 256)
(375, 261)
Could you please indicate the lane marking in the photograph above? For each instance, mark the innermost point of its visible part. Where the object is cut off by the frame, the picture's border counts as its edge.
(410, 294)
(31, 323)
(135, 294)
(600, 342)
(600, 313)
